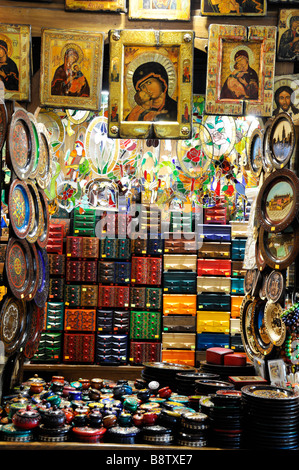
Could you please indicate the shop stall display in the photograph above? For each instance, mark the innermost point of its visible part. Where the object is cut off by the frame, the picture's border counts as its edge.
(147, 226)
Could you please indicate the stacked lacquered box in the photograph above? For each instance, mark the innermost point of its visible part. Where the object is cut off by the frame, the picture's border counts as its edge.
(179, 292)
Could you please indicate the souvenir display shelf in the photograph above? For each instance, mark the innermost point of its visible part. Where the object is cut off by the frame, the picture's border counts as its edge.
(81, 306)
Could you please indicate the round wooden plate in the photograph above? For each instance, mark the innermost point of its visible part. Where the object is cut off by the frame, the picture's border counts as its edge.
(20, 205)
(278, 200)
(19, 267)
(13, 320)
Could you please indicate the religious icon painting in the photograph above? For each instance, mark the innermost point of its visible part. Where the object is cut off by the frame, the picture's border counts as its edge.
(15, 61)
(71, 69)
(178, 10)
(233, 8)
(243, 84)
(288, 35)
(286, 96)
(150, 84)
(95, 5)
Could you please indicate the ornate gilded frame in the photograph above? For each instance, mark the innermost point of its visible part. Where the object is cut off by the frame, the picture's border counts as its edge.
(224, 8)
(287, 45)
(226, 94)
(169, 10)
(83, 90)
(172, 52)
(95, 5)
(18, 40)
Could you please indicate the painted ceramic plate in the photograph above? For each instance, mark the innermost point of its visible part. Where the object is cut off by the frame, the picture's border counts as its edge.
(281, 140)
(255, 158)
(21, 144)
(275, 286)
(3, 123)
(20, 208)
(44, 170)
(54, 126)
(278, 200)
(19, 267)
(279, 249)
(13, 323)
(43, 237)
(37, 219)
(275, 327)
(42, 291)
(262, 340)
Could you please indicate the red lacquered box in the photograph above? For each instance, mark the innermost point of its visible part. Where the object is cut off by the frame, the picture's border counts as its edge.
(234, 359)
(214, 267)
(216, 355)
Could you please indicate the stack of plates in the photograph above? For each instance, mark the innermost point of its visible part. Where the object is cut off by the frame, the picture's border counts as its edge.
(270, 417)
(185, 381)
(226, 419)
(164, 373)
(224, 371)
(210, 387)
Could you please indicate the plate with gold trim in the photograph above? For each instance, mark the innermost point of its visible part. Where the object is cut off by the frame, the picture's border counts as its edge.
(13, 322)
(21, 144)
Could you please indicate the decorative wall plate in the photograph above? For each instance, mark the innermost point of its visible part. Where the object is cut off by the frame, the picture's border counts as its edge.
(248, 340)
(223, 133)
(37, 146)
(275, 327)
(263, 291)
(42, 240)
(255, 157)
(269, 393)
(278, 200)
(20, 208)
(249, 280)
(275, 286)
(282, 140)
(262, 340)
(101, 151)
(42, 291)
(21, 144)
(19, 267)
(195, 155)
(44, 170)
(3, 123)
(12, 324)
(54, 125)
(279, 249)
(257, 283)
(267, 155)
(77, 116)
(37, 219)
